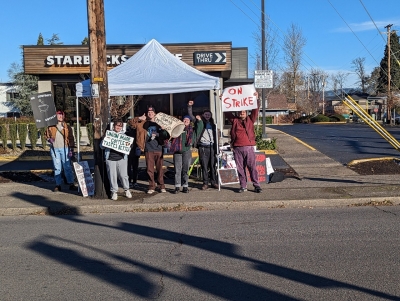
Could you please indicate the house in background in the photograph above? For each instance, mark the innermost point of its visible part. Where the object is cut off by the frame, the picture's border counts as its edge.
(7, 92)
(278, 107)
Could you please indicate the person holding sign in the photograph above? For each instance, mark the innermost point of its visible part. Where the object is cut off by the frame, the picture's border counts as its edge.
(62, 142)
(205, 140)
(116, 163)
(243, 140)
(182, 156)
(153, 143)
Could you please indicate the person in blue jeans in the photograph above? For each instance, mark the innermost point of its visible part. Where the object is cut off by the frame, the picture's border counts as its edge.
(62, 143)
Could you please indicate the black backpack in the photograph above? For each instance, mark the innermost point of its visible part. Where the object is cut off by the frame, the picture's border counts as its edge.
(276, 177)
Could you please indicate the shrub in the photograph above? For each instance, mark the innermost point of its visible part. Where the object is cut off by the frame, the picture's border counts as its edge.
(22, 134)
(3, 134)
(13, 135)
(33, 134)
(264, 144)
(336, 118)
(268, 119)
(43, 138)
(320, 118)
(76, 133)
(90, 132)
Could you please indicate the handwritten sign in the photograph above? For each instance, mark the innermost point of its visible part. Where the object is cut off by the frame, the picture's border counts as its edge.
(261, 168)
(84, 177)
(43, 108)
(239, 98)
(228, 176)
(172, 125)
(118, 142)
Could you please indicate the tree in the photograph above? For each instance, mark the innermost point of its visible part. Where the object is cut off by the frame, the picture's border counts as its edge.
(40, 40)
(373, 81)
(54, 40)
(25, 85)
(85, 41)
(382, 85)
(293, 45)
(338, 79)
(359, 68)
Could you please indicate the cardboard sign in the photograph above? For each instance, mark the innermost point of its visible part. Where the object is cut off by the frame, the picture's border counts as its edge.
(85, 179)
(118, 142)
(239, 98)
(227, 160)
(228, 176)
(44, 110)
(172, 125)
(261, 167)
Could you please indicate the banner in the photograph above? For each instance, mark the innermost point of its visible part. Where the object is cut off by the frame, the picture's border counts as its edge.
(172, 125)
(118, 142)
(85, 179)
(239, 98)
(44, 110)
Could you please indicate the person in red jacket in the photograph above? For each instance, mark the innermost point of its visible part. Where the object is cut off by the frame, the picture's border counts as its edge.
(243, 140)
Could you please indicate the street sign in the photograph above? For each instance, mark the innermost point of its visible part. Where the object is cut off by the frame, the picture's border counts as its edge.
(263, 79)
(209, 58)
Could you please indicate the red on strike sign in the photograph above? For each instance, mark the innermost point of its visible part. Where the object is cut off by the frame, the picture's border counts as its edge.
(239, 98)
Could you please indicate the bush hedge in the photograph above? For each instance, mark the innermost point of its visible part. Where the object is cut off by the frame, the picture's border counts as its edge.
(33, 134)
(22, 134)
(13, 135)
(3, 134)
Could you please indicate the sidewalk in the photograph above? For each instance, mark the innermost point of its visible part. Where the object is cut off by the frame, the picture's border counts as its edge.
(323, 182)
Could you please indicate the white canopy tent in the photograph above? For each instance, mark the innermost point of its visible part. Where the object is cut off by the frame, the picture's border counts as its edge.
(153, 70)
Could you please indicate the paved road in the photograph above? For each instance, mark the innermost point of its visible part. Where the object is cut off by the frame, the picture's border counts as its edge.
(344, 142)
(263, 254)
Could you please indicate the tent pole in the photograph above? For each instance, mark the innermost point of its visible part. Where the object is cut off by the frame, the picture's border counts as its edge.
(217, 136)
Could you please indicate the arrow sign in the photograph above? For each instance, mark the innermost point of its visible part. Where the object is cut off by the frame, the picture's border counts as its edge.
(209, 58)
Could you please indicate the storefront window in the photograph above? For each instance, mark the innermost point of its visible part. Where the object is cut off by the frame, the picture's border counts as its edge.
(201, 102)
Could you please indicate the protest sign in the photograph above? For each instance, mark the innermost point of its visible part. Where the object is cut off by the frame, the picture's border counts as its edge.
(85, 179)
(118, 142)
(43, 108)
(228, 176)
(261, 167)
(172, 125)
(239, 98)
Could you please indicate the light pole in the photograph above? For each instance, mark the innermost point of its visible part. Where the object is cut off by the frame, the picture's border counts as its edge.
(323, 96)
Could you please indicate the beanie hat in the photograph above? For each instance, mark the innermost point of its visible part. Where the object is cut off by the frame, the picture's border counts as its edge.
(187, 116)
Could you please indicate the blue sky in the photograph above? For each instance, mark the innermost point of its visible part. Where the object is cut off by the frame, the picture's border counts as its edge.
(331, 44)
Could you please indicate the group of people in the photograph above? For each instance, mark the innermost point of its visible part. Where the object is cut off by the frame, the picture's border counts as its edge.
(150, 138)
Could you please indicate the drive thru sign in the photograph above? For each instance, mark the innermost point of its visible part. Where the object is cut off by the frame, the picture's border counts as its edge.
(263, 79)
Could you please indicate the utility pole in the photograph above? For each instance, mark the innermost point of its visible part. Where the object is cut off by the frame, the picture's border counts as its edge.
(98, 74)
(323, 95)
(389, 98)
(264, 134)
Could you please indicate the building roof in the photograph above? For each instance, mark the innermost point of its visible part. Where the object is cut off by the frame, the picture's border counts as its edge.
(279, 102)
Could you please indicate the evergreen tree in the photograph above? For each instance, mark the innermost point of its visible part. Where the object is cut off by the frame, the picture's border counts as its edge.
(54, 40)
(394, 66)
(85, 41)
(40, 40)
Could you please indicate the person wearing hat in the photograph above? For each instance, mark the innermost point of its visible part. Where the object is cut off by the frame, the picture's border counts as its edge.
(243, 140)
(182, 156)
(62, 143)
(152, 143)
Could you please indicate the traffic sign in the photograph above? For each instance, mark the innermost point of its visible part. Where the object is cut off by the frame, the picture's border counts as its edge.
(263, 79)
(209, 58)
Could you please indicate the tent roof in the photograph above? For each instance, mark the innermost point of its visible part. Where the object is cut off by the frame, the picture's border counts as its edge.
(153, 70)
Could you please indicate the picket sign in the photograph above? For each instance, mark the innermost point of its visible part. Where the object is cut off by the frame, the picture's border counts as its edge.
(172, 125)
(239, 98)
(85, 179)
(118, 142)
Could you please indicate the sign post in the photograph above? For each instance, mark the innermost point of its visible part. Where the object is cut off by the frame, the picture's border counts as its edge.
(263, 79)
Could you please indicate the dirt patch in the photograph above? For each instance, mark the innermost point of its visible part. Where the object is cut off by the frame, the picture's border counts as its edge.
(377, 167)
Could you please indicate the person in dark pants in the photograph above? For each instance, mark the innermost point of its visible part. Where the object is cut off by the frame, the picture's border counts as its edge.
(182, 156)
(205, 140)
(134, 155)
(243, 140)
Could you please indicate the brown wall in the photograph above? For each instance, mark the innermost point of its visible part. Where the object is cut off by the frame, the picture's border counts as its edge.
(35, 56)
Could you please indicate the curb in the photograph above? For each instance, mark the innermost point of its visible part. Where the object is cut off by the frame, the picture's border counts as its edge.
(196, 206)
